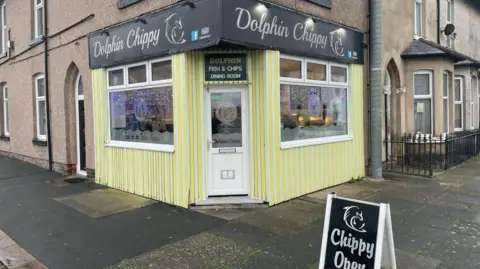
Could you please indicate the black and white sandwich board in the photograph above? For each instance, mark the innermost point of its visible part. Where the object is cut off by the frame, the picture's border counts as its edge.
(357, 235)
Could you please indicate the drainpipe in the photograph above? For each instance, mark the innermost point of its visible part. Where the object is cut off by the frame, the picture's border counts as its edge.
(47, 95)
(376, 87)
(438, 22)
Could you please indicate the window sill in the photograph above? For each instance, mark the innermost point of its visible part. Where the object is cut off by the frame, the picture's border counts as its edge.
(40, 143)
(4, 138)
(313, 142)
(3, 55)
(36, 41)
(142, 146)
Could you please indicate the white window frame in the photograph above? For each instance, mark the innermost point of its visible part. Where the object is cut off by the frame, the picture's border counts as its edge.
(448, 103)
(132, 87)
(6, 130)
(459, 103)
(330, 74)
(472, 102)
(4, 28)
(415, 18)
(303, 72)
(303, 81)
(425, 96)
(37, 7)
(449, 13)
(39, 99)
(327, 76)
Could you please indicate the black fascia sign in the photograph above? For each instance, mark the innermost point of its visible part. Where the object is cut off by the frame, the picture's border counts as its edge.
(274, 27)
(355, 235)
(226, 67)
(200, 24)
(172, 30)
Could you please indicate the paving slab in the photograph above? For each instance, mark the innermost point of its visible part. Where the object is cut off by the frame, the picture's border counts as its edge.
(101, 203)
(407, 260)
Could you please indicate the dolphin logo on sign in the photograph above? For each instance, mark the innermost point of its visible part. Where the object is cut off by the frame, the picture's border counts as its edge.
(353, 218)
(336, 41)
(174, 29)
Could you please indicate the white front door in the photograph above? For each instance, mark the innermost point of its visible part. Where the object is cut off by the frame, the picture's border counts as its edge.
(227, 145)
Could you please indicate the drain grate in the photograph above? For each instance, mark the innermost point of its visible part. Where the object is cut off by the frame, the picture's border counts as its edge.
(75, 180)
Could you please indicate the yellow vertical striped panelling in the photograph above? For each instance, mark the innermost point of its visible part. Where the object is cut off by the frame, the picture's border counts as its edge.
(275, 175)
(178, 178)
(297, 171)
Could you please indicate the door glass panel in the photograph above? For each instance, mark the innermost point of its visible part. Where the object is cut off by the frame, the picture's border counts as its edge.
(226, 113)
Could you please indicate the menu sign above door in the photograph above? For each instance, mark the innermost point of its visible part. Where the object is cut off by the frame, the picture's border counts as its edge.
(225, 67)
(354, 235)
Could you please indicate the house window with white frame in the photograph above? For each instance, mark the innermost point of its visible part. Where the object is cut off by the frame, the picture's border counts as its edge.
(446, 92)
(140, 105)
(38, 20)
(418, 17)
(449, 19)
(313, 101)
(458, 101)
(6, 130)
(41, 107)
(4, 28)
(472, 101)
(422, 103)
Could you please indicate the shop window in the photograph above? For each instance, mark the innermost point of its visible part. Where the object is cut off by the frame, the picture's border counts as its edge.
(161, 70)
(290, 68)
(313, 107)
(116, 78)
(41, 107)
(339, 74)
(137, 74)
(38, 20)
(317, 71)
(458, 104)
(446, 91)
(422, 103)
(141, 111)
(4, 28)
(418, 17)
(6, 130)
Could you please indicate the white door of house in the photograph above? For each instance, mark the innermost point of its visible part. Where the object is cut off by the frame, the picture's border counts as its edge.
(227, 145)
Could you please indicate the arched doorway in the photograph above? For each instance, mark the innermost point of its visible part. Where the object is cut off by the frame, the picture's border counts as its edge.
(80, 121)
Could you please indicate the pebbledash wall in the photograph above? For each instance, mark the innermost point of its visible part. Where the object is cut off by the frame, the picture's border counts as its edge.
(276, 174)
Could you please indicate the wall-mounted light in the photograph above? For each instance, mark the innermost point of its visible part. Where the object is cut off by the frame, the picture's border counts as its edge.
(141, 20)
(310, 21)
(188, 3)
(104, 32)
(261, 8)
(341, 31)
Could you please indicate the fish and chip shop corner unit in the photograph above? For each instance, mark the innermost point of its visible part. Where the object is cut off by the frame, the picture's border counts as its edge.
(260, 104)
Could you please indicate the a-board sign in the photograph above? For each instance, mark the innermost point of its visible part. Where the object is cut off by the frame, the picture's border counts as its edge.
(225, 67)
(354, 235)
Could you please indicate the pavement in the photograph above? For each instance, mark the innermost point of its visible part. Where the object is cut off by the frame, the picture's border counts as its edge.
(436, 224)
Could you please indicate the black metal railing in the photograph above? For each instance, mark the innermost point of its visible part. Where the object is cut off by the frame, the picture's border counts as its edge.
(423, 154)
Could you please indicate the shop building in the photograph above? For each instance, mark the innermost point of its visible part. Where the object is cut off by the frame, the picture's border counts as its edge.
(430, 68)
(246, 100)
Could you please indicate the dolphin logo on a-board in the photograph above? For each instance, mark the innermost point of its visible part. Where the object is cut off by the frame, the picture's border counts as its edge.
(353, 218)
(174, 29)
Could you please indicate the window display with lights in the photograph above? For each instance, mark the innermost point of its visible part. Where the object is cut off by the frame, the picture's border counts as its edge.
(313, 101)
(141, 105)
